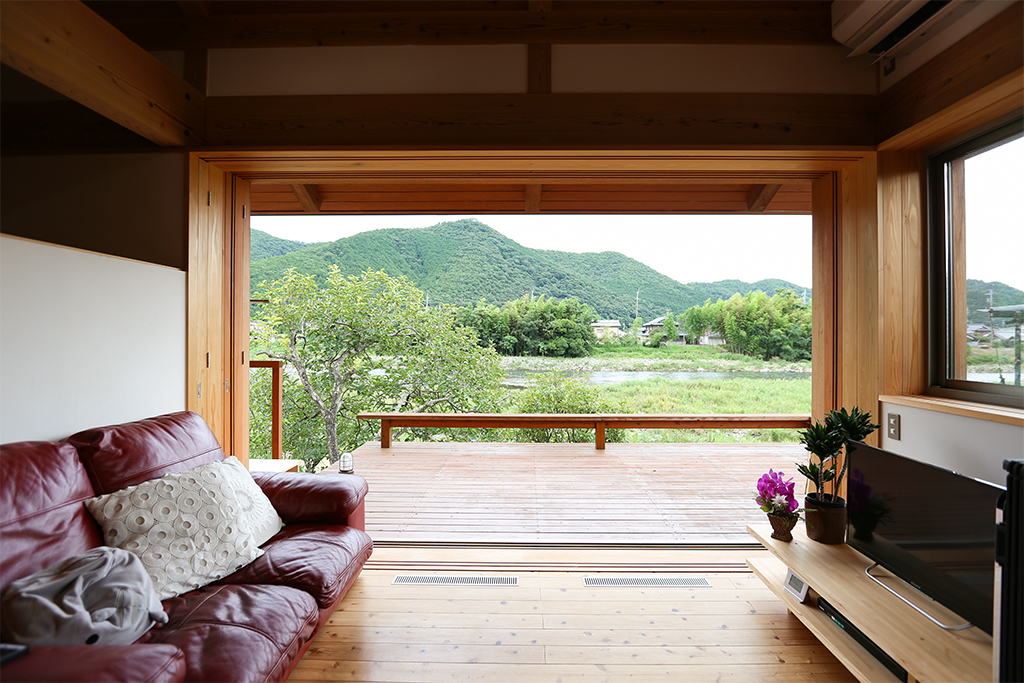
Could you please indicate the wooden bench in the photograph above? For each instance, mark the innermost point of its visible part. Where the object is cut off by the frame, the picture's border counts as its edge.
(598, 422)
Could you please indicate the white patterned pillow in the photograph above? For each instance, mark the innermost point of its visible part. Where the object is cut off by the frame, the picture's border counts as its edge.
(186, 526)
(256, 507)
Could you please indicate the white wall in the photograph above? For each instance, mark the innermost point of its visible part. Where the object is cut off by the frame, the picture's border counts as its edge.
(972, 447)
(86, 340)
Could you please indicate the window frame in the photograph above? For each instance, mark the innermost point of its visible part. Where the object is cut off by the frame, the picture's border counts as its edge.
(941, 266)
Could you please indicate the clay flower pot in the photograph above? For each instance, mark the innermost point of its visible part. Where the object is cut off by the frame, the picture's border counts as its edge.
(782, 527)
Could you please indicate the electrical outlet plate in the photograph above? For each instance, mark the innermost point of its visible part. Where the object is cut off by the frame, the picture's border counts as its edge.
(892, 421)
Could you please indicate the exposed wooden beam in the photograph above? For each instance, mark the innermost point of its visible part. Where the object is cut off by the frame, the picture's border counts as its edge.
(538, 68)
(800, 23)
(760, 196)
(308, 197)
(540, 5)
(533, 193)
(69, 48)
(554, 121)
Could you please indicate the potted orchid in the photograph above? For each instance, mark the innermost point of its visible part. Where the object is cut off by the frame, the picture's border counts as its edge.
(775, 496)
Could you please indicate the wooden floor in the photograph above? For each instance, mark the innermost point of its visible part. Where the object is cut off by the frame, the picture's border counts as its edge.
(552, 628)
(567, 493)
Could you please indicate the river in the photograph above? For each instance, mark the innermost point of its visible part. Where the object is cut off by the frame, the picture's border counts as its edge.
(518, 378)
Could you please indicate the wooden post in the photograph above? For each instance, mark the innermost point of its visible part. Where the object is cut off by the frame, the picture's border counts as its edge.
(276, 404)
(385, 433)
(277, 411)
(599, 435)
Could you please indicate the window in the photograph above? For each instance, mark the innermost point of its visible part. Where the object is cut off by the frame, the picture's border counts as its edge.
(977, 268)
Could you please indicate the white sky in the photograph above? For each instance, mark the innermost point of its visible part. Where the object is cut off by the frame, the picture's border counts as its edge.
(995, 227)
(685, 248)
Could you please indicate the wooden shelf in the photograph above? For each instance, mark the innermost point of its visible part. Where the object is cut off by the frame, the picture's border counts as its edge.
(927, 652)
(848, 651)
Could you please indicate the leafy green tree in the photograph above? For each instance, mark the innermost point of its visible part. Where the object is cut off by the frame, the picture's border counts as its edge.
(368, 344)
(755, 324)
(534, 326)
(671, 331)
(551, 392)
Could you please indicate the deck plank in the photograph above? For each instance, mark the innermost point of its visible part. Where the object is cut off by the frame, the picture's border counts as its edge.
(567, 493)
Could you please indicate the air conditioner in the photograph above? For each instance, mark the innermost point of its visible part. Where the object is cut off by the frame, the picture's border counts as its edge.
(891, 28)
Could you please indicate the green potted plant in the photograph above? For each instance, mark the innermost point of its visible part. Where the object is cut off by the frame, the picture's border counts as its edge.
(825, 511)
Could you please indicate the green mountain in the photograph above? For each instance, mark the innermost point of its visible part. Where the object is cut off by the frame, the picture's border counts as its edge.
(462, 262)
(263, 246)
(977, 298)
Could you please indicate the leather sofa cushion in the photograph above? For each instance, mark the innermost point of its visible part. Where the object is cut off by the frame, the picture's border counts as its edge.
(302, 497)
(238, 633)
(42, 516)
(98, 664)
(123, 455)
(322, 560)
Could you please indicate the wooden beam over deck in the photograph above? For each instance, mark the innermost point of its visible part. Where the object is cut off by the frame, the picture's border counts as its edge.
(558, 121)
(71, 49)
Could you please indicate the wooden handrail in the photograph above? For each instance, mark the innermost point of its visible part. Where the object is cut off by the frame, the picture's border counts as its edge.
(276, 401)
(598, 422)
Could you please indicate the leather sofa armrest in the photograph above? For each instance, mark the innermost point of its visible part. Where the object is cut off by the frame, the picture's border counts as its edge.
(98, 664)
(302, 498)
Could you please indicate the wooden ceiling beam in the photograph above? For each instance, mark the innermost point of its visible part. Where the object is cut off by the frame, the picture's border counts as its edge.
(768, 24)
(760, 196)
(549, 121)
(71, 49)
(308, 197)
(533, 193)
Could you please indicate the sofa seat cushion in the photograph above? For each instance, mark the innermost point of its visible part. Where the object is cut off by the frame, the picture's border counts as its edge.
(98, 664)
(238, 633)
(321, 559)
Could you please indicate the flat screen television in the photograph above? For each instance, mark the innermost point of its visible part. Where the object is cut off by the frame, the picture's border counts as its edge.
(931, 527)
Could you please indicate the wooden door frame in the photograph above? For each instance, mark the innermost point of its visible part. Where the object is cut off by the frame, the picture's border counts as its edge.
(847, 358)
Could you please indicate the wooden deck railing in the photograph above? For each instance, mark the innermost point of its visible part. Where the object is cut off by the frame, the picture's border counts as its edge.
(276, 403)
(598, 422)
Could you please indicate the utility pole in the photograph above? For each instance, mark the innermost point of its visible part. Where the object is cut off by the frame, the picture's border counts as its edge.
(636, 313)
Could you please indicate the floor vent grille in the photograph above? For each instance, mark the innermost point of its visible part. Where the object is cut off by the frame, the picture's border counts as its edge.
(455, 581)
(680, 582)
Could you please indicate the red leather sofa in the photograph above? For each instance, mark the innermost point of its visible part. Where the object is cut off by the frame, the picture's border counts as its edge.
(253, 625)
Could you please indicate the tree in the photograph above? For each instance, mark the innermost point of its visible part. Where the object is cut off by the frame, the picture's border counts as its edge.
(671, 332)
(550, 392)
(367, 343)
(534, 326)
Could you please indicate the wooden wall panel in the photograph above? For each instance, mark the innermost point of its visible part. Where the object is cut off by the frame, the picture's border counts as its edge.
(859, 329)
(208, 329)
(824, 306)
(238, 363)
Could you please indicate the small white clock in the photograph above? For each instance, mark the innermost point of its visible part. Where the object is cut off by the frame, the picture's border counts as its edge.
(795, 586)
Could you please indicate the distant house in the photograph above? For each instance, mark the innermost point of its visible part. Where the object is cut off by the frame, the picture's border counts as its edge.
(607, 329)
(656, 325)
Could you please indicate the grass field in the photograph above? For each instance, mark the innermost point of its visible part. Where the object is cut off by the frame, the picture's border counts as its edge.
(674, 358)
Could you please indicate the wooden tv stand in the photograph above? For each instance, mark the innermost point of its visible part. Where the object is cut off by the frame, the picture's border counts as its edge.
(836, 572)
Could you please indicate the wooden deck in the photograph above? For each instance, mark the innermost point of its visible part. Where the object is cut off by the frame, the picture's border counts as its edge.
(567, 493)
